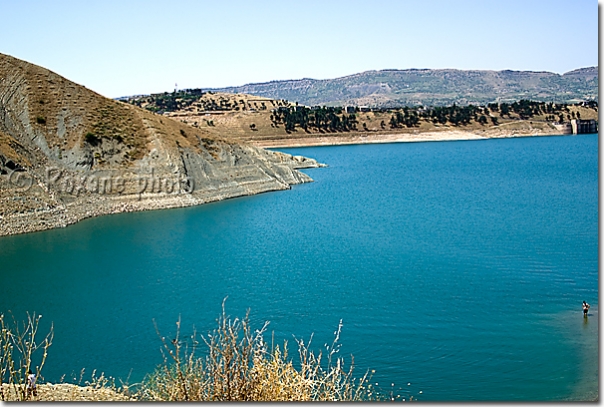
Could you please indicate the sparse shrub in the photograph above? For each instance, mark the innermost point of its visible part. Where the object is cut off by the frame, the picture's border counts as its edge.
(40, 120)
(19, 348)
(239, 366)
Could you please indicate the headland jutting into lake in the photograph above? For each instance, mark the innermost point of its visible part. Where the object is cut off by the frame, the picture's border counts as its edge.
(67, 153)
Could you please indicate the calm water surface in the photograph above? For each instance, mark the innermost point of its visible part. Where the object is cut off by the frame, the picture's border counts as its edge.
(457, 267)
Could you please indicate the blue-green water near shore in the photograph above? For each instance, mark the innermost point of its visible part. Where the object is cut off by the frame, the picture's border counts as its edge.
(457, 267)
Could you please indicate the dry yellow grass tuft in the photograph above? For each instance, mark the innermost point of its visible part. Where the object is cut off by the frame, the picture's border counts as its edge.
(237, 366)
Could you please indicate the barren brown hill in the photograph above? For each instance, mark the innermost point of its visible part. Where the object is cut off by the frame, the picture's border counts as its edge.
(67, 153)
(248, 118)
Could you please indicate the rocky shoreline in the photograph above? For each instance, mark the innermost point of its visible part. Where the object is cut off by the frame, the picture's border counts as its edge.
(33, 210)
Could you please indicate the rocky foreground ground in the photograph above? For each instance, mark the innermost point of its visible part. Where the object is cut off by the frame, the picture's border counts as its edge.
(65, 392)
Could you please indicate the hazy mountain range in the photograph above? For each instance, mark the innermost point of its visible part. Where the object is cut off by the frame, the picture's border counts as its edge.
(430, 87)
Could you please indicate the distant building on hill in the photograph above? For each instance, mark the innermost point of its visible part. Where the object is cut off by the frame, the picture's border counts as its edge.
(584, 126)
(577, 126)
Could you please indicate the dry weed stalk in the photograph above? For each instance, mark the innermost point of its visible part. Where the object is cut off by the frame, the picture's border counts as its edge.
(18, 344)
(239, 367)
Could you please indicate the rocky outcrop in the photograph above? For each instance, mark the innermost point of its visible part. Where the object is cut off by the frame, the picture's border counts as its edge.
(67, 153)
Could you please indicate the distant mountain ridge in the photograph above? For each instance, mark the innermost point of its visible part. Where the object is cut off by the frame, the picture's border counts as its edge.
(437, 87)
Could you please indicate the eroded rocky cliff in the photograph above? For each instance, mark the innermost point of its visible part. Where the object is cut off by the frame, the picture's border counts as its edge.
(67, 153)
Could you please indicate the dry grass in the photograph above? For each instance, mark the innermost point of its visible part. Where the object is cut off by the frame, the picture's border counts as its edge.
(237, 365)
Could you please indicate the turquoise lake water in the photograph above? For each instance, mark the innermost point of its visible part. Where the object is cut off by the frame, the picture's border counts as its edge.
(458, 267)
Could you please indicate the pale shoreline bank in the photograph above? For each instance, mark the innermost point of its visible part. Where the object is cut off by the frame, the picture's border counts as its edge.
(368, 138)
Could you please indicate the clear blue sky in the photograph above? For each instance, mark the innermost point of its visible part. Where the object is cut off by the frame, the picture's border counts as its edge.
(120, 48)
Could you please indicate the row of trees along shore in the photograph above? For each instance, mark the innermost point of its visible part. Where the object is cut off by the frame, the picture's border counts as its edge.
(340, 119)
(320, 118)
(335, 119)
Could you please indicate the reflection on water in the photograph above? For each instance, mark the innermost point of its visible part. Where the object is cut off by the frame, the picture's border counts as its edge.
(587, 389)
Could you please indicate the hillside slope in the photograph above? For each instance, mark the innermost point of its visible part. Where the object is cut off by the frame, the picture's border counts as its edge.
(430, 87)
(67, 153)
(277, 123)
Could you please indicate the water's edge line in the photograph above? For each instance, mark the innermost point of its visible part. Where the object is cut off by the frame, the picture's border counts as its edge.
(394, 138)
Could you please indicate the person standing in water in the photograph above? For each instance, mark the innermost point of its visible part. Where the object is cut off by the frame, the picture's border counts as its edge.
(585, 309)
